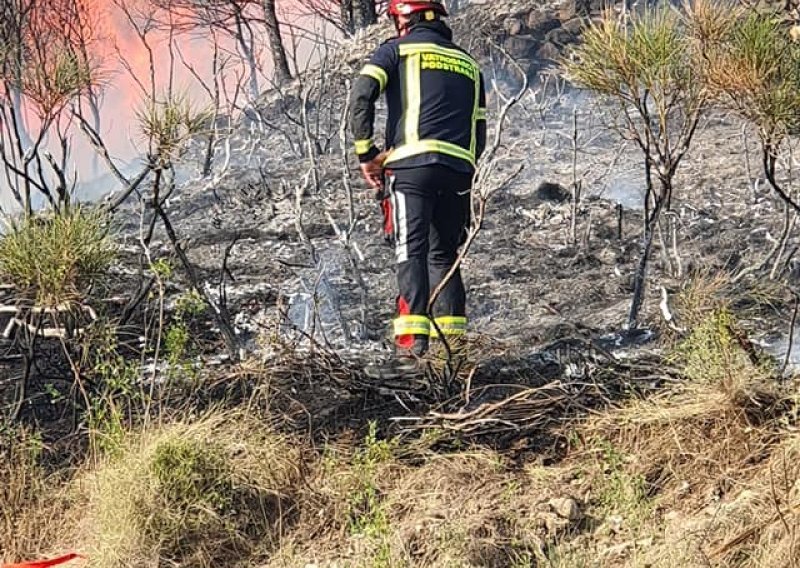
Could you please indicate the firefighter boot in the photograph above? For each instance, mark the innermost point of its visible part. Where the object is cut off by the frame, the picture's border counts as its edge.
(406, 362)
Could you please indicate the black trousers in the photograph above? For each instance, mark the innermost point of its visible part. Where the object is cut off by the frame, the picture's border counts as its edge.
(431, 208)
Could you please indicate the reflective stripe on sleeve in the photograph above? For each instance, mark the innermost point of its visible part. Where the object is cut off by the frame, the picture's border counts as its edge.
(376, 73)
(363, 146)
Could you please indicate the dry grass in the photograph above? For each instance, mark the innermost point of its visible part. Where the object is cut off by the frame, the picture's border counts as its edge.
(33, 505)
(712, 429)
(191, 494)
(715, 443)
(461, 510)
(754, 527)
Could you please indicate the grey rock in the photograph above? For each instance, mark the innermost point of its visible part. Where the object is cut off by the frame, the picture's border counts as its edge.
(540, 23)
(548, 53)
(574, 26)
(521, 47)
(560, 37)
(553, 524)
(566, 508)
(513, 26)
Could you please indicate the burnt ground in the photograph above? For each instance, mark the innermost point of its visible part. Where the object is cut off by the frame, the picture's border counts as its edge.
(546, 312)
(528, 283)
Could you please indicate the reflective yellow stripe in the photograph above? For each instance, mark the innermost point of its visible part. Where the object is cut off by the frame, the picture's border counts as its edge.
(481, 113)
(417, 48)
(412, 325)
(363, 146)
(413, 99)
(425, 146)
(376, 73)
(451, 322)
(473, 141)
(449, 325)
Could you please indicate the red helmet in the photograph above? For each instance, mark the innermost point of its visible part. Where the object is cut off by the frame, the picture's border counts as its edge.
(408, 7)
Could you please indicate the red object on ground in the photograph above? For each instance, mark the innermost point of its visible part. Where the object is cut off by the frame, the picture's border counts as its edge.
(46, 563)
(403, 309)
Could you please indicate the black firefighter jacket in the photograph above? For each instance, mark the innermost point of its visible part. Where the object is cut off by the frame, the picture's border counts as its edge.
(435, 97)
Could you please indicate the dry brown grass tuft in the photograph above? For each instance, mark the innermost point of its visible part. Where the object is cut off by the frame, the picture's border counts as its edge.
(33, 503)
(702, 295)
(215, 490)
(703, 437)
(710, 431)
(462, 510)
(756, 526)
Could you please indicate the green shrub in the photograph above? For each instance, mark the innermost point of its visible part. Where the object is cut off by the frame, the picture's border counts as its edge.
(713, 353)
(53, 258)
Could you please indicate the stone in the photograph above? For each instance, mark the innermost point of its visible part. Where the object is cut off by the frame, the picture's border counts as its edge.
(553, 524)
(521, 47)
(513, 26)
(588, 7)
(539, 23)
(555, 192)
(574, 26)
(566, 508)
(567, 10)
(560, 37)
(548, 53)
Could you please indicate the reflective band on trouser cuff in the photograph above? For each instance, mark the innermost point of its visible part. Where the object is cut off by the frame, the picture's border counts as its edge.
(363, 146)
(449, 325)
(412, 325)
(425, 146)
(376, 73)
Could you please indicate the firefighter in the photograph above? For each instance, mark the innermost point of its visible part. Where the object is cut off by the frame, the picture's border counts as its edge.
(435, 133)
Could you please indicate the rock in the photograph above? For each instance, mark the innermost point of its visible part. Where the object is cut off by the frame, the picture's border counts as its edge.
(560, 37)
(567, 10)
(566, 508)
(586, 8)
(553, 523)
(548, 53)
(521, 47)
(539, 23)
(613, 524)
(555, 192)
(574, 26)
(513, 26)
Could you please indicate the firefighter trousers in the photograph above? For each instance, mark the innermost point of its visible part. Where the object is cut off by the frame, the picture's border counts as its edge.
(431, 212)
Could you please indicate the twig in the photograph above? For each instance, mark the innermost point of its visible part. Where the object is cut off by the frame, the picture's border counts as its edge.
(788, 355)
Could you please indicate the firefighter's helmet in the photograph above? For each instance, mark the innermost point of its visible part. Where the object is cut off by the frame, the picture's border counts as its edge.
(408, 7)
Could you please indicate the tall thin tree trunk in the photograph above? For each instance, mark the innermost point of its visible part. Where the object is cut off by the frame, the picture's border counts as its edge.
(279, 59)
(348, 22)
(650, 222)
(365, 13)
(248, 53)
